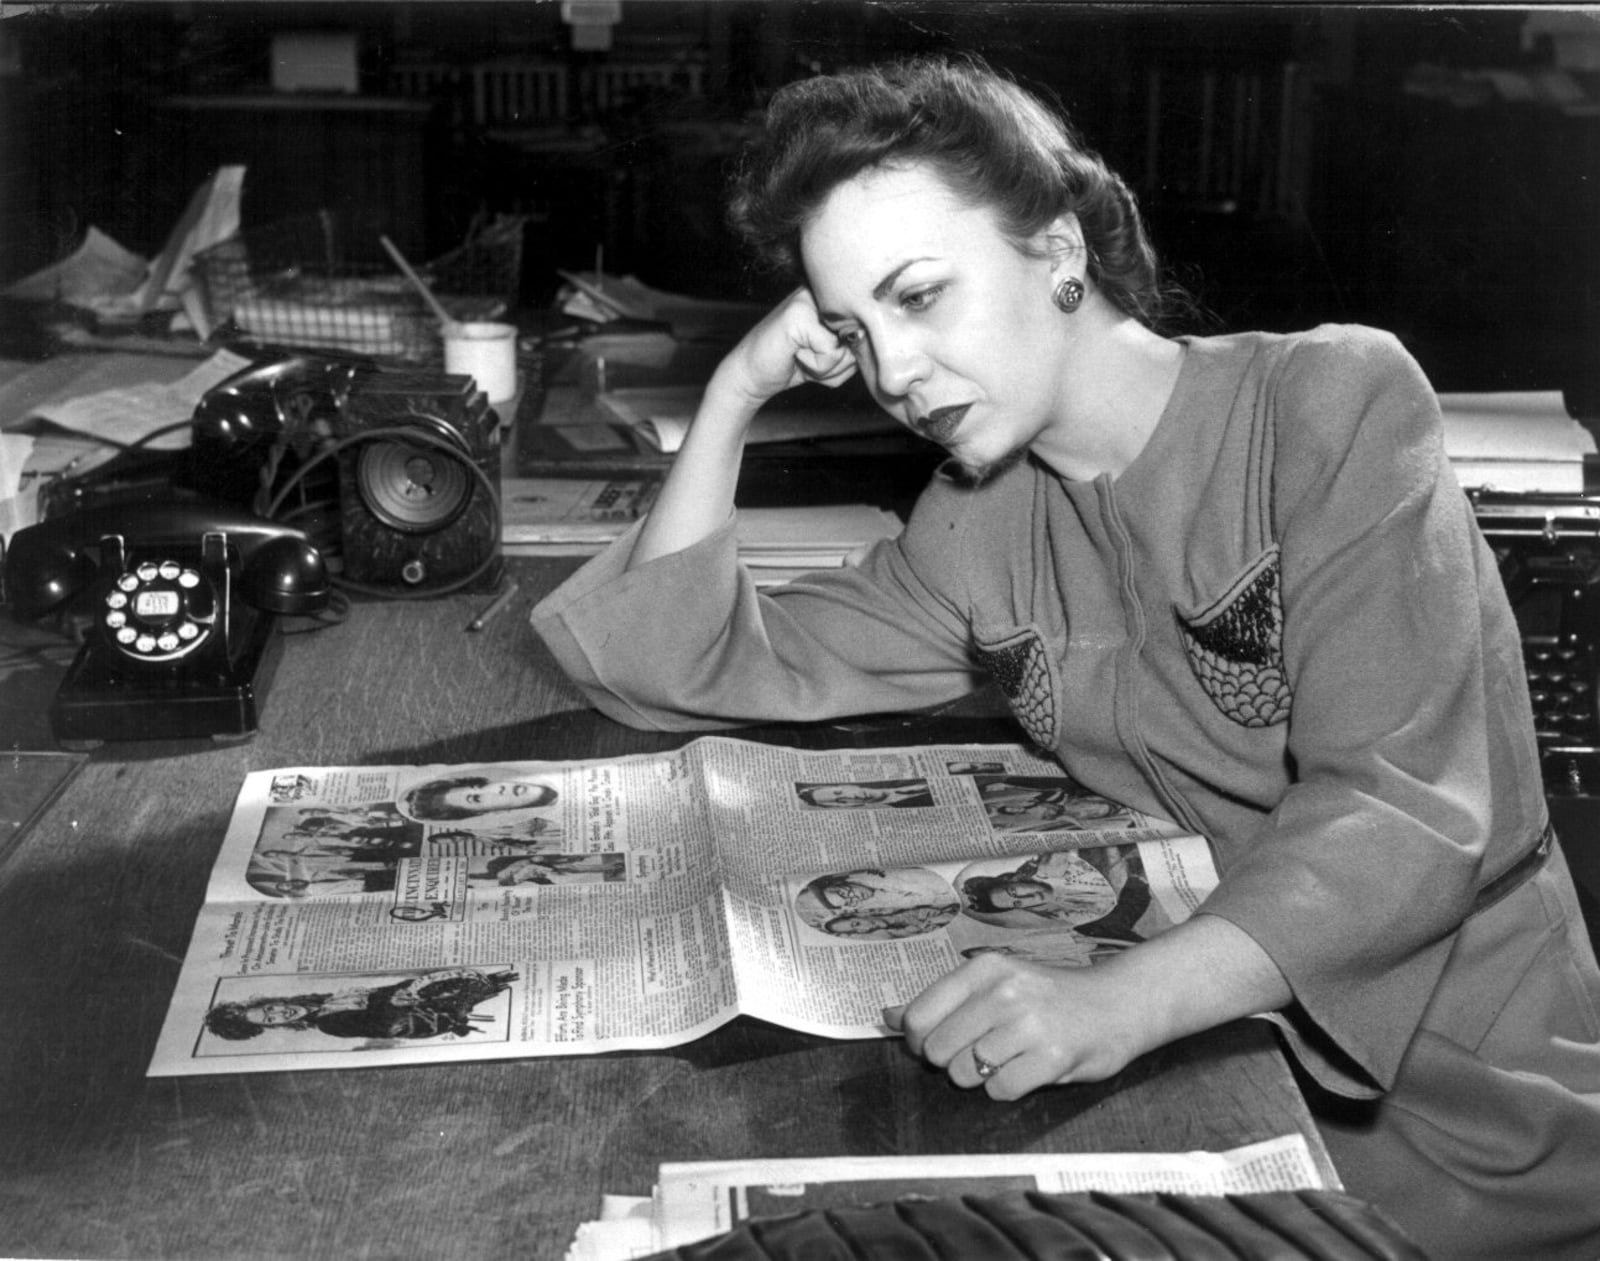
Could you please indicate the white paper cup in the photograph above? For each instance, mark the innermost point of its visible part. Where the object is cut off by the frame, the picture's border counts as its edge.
(487, 352)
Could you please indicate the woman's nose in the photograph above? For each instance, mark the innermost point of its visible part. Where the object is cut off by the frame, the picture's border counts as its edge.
(901, 363)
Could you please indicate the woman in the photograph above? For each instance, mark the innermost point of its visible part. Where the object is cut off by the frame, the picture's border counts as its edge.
(1230, 581)
(472, 796)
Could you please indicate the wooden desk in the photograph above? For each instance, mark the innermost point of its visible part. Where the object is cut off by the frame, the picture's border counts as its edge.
(482, 1160)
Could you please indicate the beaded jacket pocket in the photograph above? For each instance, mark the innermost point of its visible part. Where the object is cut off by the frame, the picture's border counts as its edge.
(1235, 647)
(1025, 674)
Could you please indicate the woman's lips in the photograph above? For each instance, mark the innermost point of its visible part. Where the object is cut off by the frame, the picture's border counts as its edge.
(941, 423)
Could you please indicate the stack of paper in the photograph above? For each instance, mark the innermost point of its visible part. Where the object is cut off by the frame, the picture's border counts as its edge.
(1515, 442)
(600, 297)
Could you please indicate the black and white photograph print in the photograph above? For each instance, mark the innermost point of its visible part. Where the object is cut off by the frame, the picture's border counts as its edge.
(876, 794)
(513, 870)
(1099, 892)
(492, 795)
(875, 904)
(299, 1013)
(1046, 803)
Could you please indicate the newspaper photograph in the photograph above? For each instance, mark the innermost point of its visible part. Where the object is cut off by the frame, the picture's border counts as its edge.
(383, 915)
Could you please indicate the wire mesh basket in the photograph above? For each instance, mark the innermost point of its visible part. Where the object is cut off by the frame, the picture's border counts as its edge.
(322, 281)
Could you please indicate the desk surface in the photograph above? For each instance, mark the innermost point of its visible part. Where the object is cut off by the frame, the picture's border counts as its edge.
(482, 1160)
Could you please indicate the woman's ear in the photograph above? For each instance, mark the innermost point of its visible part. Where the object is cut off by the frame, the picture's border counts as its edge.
(1063, 239)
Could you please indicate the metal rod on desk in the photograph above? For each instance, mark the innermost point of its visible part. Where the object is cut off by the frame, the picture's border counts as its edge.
(494, 606)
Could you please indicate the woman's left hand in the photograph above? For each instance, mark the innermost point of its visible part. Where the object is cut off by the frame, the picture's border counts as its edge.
(1035, 1025)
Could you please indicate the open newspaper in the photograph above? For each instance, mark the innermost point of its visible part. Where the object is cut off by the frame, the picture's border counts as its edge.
(381, 915)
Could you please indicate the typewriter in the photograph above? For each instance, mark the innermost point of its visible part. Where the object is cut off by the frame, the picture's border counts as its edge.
(1547, 546)
(1528, 464)
(1532, 476)
(1548, 549)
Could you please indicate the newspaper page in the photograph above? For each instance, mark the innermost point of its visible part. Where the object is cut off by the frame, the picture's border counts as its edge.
(914, 859)
(695, 1201)
(423, 914)
(418, 914)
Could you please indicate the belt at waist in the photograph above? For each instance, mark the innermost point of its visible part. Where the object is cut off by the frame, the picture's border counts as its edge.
(1516, 874)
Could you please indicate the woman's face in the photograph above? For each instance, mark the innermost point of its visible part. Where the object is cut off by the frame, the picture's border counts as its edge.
(499, 794)
(1019, 895)
(272, 1014)
(952, 326)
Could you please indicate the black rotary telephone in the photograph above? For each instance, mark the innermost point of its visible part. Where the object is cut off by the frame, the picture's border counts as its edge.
(180, 598)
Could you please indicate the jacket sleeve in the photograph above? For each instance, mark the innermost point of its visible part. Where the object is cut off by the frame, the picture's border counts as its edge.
(687, 642)
(1415, 772)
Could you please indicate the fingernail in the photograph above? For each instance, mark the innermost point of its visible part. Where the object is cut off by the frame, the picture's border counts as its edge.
(892, 1016)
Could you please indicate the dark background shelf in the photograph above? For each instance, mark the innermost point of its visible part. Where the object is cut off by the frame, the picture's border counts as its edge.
(1297, 163)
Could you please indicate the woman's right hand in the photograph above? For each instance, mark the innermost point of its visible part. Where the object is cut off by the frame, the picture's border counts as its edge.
(789, 347)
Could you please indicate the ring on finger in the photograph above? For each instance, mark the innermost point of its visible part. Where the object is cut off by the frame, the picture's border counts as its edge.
(986, 1068)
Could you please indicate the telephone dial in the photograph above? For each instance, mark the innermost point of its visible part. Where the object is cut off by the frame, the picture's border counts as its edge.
(181, 600)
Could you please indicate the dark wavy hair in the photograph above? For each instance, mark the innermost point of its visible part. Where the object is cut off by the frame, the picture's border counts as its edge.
(228, 1019)
(994, 142)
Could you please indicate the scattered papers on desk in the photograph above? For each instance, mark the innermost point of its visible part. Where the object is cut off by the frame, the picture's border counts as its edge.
(700, 1200)
(72, 412)
(642, 902)
(623, 1231)
(560, 516)
(602, 298)
(1515, 442)
(99, 269)
(17, 508)
(661, 417)
(117, 284)
(537, 512)
(632, 348)
(128, 413)
(211, 216)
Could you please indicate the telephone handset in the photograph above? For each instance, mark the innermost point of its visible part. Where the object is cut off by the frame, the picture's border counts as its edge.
(181, 599)
(288, 407)
(248, 432)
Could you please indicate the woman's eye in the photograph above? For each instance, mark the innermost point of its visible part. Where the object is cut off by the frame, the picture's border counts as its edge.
(849, 338)
(922, 299)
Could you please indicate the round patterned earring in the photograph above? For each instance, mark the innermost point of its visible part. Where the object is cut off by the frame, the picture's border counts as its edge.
(1068, 295)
